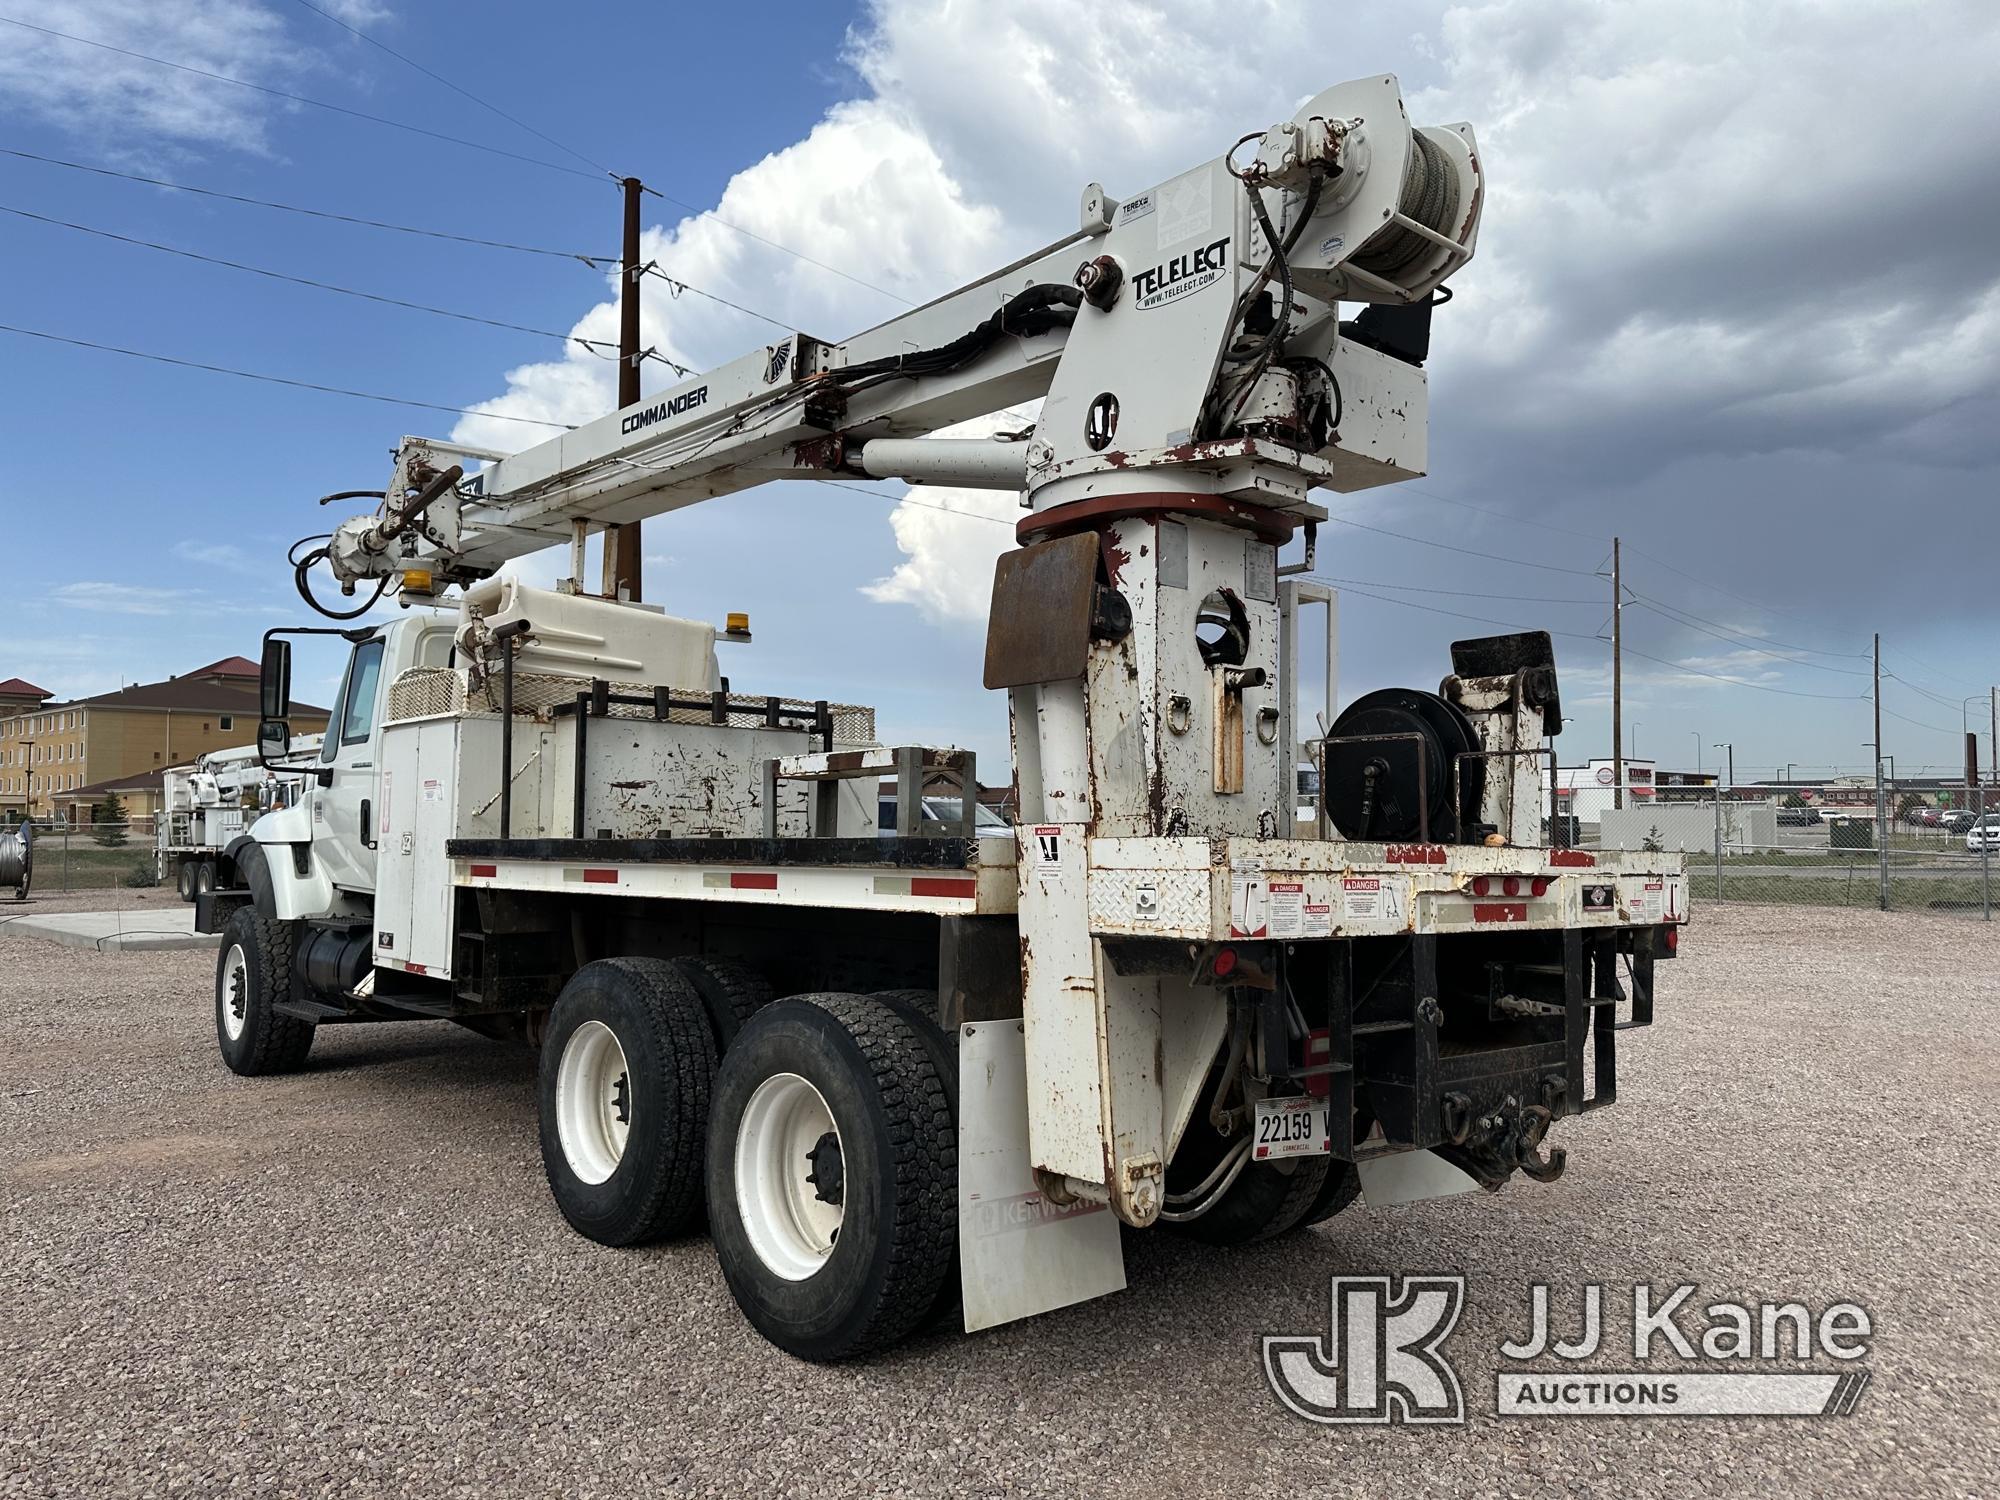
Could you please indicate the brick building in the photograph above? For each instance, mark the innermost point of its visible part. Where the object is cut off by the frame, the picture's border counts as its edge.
(49, 751)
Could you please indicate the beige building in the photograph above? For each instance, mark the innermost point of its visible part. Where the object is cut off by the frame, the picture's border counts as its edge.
(51, 751)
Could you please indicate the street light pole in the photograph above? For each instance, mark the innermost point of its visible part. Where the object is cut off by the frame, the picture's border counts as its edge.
(1731, 748)
(1697, 750)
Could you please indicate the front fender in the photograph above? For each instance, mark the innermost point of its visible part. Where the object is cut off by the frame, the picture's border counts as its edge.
(279, 833)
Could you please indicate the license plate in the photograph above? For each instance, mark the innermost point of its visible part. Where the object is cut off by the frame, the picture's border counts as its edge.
(1291, 1127)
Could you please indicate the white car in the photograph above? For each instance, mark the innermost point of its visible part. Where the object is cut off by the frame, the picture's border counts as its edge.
(1983, 835)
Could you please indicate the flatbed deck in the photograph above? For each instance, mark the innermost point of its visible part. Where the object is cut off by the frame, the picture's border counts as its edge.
(1200, 889)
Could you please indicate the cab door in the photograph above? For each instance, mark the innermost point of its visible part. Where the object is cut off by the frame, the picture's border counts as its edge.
(346, 805)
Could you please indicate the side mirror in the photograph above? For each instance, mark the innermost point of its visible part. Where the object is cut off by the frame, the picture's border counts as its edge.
(274, 740)
(274, 681)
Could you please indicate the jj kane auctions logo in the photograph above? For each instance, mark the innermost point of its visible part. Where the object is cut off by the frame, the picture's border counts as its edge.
(1381, 1358)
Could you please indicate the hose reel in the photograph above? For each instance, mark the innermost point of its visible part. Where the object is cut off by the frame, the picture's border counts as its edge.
(17, 861)
(1394, 771)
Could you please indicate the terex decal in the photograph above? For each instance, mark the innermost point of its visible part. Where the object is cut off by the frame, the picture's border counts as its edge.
(659, 411)
(1182, 276)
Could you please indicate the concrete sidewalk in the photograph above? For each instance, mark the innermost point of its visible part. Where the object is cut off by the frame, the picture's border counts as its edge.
(112, 931)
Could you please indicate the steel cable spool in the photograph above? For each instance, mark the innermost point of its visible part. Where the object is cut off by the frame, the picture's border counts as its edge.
(17, 861)
(1430, 196)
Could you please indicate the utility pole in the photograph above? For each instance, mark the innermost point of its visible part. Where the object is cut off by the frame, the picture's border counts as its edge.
(623, 568)
(1617, 677)
(1881, 795)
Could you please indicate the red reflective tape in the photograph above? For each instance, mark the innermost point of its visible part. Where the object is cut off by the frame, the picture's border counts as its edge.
(1500, 911)
(921, 885)
(600, 877)
(1414, 854)
(1582, 859)
(415, 968)
(486, 872)
(752, 881)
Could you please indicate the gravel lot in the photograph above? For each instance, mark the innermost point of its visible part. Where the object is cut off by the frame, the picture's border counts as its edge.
(353, 1280)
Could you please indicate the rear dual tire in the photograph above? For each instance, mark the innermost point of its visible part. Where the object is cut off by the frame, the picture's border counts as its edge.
(627, 1062)
(833, 1175)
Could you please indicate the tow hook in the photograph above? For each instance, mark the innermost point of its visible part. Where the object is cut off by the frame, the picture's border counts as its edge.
(1529, 1130)
(1495, 1145)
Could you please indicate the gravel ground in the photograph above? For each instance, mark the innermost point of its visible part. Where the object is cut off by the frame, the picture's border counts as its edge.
(353, 1279)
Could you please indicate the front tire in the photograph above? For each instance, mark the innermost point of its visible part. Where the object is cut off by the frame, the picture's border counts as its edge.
(833, 1176)
(252, 973)
(627, 1063)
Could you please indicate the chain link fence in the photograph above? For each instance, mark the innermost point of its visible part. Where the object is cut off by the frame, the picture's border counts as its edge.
(1919, 846)
(92, 856)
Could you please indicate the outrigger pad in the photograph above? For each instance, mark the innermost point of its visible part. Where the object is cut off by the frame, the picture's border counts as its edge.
(1038, 629)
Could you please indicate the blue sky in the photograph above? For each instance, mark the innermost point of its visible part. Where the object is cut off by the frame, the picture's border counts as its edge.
(1777, 384)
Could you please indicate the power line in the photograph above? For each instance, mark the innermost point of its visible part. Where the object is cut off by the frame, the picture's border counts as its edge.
(680, 286)
(1501, 515)
(341, 109)
(1674, 617)
(1919, 723)
(1464, 551)
(751, 234)
(1760, 687)
(461, 92)
(1946, 676)
(304, 385)
(537, 161)
(1938, 698)
(324, 286)
(1755, 642)
(593, 261)
(907, 499)
(1433, 609)
(1411, 588)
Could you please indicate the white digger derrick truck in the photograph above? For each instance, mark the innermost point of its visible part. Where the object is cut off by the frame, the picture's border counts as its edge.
(912, 1073)
(209, 806)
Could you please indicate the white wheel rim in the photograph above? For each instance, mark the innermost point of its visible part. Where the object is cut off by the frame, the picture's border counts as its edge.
(593, 1101)
(232, 992)
(788, 1224)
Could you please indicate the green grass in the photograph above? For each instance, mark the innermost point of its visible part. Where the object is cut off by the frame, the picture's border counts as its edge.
(1862, 890)
(90, 866)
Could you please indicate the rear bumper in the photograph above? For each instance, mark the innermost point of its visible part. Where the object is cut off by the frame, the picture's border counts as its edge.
(1412, 1060)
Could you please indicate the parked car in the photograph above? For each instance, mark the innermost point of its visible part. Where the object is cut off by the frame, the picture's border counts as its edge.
(1958, 820)
(1799, 817)
(1983, 835)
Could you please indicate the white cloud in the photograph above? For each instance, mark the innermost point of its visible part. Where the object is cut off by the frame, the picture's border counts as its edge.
(126, 103)
(105, 597)
(948, 570)
(120, 598)
(225, 555)
(864, 190)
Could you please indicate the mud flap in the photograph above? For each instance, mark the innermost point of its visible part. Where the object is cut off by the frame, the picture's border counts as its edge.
(1410, 1176)
(1018, 1254)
